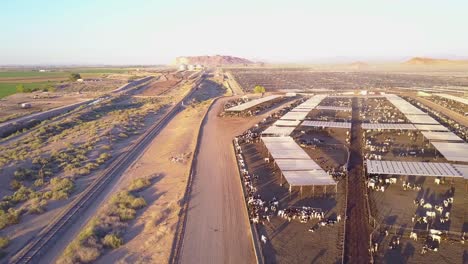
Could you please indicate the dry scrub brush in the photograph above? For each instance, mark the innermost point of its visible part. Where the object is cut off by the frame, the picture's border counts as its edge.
(105, 231)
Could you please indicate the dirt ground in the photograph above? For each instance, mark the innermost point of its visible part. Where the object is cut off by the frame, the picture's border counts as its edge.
(165, 82)
(10, 107)
(394, 208)
(402, 143)
(31, 224)
(149, 237)
(291, 242)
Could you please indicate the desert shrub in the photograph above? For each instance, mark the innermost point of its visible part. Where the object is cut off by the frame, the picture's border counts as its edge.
(61, 188)
(88, 254)
(15, 185)
(138, 203)
(4, 205)
(59, 195)
(112, 241)
(37, 206)
(9, 217)
(126, 199)
(91, 166)
(123, 135)
(22, 174)
(83, 171)
(21, 195)
(124, 213)
(139, 184)
(106, 147)
(4, 242)
(62, 184)
(47, 195)
(39, 182)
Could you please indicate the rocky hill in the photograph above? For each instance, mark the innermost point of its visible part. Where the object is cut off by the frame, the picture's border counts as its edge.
(358, 65)
(431, 61)
(212, 60)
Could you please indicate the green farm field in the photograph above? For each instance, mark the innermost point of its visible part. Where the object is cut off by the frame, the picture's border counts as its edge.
(7, 89)
(9, 79)
(17, 76)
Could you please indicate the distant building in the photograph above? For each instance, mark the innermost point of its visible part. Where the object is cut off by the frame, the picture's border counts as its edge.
(183, 67)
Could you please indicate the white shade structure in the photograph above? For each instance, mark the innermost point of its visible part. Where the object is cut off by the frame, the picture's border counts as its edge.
(431, 127)
(294, 116)
(308, 123)
(441, 136)
(279, 131)
(382, 126)
(293, 123)
(308, 178)
(422, 119)
(412, 168)
(463, 169)
(333, 108)
(452, 151)
(297, 165)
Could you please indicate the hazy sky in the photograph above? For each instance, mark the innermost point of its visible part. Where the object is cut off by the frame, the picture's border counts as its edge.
(156, 31)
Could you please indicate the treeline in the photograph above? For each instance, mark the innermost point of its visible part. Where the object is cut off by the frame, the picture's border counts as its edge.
(20, 88)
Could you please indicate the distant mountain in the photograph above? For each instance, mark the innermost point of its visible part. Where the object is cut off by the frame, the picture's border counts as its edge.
(431, 61)
(212, 60)
(358, 65)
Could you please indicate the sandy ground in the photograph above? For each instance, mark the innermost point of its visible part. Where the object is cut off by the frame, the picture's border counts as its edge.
(10, 106)
(31, 224)
(149, 238)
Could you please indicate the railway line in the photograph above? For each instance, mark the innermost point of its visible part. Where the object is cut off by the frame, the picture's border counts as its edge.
(357, 228)
(39, 244)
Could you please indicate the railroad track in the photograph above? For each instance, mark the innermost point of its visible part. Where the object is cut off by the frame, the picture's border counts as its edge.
(39, 244)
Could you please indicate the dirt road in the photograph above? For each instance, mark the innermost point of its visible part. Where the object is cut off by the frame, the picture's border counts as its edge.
(453, 115)
(217, 227)
(357, 229)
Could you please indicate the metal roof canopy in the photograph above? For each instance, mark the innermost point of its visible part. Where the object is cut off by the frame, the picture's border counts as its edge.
(294, 116)
(284, 148)
(422, 119)
(297, 165)
(431, 127)
(308, 178)
(412, 168)
(293, 123)
(463, 169)
(279, 130)
(452, 151)
(327, 124)
(395, 126)
(404, 106)
(307, 110)
(333, 108)
(253, 103)
(441, 136)
(454, 98)
(278, 139)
